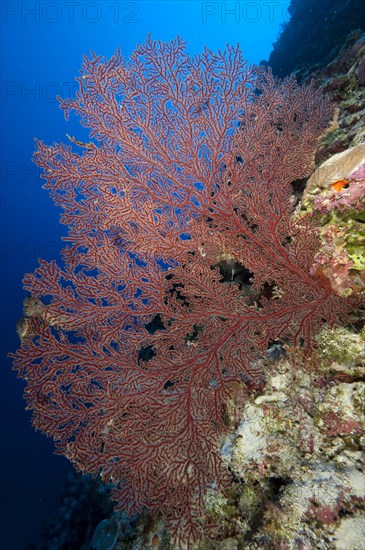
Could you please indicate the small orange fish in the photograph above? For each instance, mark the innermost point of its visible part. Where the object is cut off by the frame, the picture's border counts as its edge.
(339, 185)
(154, 541)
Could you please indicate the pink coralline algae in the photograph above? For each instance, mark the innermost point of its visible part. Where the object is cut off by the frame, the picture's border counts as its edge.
(351, 197)
(188, 169)
(340, 426)
(338, 207)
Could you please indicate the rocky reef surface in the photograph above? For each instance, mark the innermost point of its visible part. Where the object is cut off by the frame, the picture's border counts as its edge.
(295, 455)
(314, 35)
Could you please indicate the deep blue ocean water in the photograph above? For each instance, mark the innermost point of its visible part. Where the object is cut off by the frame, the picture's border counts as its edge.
(42, 44)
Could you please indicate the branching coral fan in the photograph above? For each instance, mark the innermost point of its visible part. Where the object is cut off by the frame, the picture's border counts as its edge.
(187, 177)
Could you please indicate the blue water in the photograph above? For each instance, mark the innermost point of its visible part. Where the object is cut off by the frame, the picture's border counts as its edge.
(42, 44)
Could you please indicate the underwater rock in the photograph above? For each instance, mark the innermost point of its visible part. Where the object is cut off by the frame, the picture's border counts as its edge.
(299, 446)
(335, 198)
(296, 460)
(350, 534)
(335, 193)
(342, 79)
(106, 534)
(340, 351)
(314, 35)
(338, 167)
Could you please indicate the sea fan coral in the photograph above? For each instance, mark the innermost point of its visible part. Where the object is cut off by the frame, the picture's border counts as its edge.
(184, 262)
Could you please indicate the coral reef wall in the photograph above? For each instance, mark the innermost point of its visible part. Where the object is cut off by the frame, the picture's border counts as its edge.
(315, 34)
